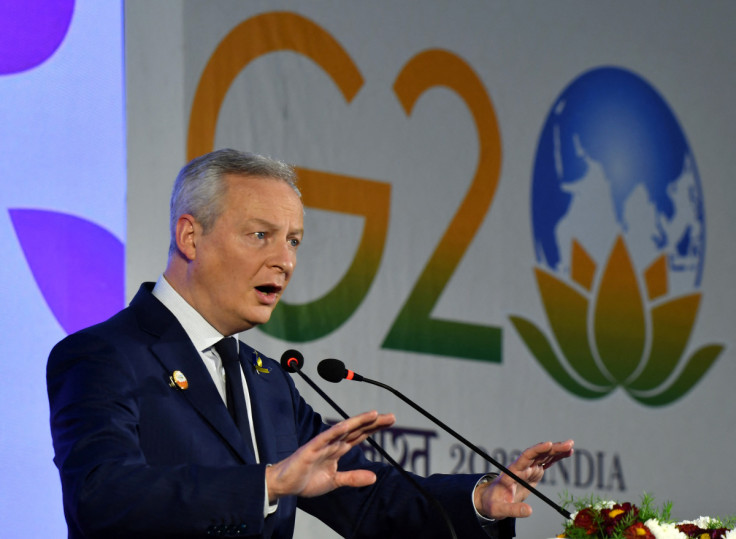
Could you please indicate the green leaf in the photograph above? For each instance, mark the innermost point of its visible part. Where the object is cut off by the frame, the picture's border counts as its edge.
(697, 365)
(542, 350)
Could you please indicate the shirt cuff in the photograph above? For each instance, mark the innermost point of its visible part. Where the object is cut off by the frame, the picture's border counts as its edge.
(482, 520)
(268, 508)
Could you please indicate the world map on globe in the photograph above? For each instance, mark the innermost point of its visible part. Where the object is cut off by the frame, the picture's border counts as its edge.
(613, 160)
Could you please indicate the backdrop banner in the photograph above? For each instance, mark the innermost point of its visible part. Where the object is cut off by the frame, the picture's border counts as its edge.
(62, 223)
(518, 214)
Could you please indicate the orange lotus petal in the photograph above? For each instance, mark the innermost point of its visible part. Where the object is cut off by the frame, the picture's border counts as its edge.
(619, 321)
(656, 278)
(582, 268)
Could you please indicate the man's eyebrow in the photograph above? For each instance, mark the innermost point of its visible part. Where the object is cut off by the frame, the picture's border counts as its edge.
(261, 222)
(258, 221)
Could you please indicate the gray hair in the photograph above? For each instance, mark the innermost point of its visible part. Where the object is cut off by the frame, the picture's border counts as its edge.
(200, 187)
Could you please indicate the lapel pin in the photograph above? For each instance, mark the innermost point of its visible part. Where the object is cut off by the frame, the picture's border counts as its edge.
(258, 364)
(177, 379)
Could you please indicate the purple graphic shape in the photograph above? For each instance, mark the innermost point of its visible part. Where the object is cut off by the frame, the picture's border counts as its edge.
(77, 265)
(31, 31)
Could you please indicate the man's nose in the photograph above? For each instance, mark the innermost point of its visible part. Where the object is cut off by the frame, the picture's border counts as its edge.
(284, 258)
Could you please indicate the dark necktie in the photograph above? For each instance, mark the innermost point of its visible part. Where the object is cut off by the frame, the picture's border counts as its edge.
(227, 348)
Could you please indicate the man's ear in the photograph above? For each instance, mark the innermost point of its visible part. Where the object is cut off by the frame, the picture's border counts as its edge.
(186, 233)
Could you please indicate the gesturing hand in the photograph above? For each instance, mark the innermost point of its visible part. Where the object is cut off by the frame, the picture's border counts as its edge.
(312, 469)
(504, 497)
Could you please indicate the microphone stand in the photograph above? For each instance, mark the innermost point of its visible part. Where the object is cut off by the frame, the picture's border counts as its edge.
(289, 366)
(467, 442)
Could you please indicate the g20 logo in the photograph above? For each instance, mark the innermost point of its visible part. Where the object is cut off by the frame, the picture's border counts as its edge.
(617, 213)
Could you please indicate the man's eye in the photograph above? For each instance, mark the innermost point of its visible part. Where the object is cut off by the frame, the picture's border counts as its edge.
(294, 242)
(260, 235)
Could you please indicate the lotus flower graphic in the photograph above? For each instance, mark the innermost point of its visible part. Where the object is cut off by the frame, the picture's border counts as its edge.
(619, 235)
(611, 334)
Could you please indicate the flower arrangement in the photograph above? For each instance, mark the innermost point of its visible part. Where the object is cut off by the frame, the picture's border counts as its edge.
(599, 519)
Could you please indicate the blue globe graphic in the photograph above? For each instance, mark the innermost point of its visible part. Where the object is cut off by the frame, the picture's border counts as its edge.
(613, 160)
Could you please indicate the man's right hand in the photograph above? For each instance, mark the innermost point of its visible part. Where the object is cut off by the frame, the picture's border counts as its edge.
(312, 469)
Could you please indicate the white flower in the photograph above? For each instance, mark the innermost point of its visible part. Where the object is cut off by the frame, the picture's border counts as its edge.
(603, 504)
(663, 530)
(701, 522)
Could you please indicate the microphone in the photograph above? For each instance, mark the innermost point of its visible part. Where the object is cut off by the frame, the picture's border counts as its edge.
(293, 361)
(333, 370)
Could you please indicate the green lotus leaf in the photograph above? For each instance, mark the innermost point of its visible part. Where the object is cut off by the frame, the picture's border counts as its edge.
(542, 350)
(672, 323)
(696, 367)
(619, 321)
(567, 312)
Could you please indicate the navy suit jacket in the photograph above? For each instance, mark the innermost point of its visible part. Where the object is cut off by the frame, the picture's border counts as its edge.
(140, 458)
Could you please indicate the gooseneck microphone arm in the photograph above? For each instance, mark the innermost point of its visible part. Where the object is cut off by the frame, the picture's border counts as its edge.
(333, 370)
(292, 361)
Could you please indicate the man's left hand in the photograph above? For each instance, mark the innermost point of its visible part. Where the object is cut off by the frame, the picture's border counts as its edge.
(503, 497)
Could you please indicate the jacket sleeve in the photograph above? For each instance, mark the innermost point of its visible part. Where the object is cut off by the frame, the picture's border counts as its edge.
(393, 508)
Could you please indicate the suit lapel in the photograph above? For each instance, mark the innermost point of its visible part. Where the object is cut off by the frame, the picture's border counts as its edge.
(201, 393)
(175, 351)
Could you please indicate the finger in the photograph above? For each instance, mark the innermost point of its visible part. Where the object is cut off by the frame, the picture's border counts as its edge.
(529, 456)
(362, 431)
(369, 421)
(545, 454)
(512, 510)
(355, 478)
(558, 451)
(343, 429)
(346, 434)
(357, 437)
(562, 447)
(565, 448)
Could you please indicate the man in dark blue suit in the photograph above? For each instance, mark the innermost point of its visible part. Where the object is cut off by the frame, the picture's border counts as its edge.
(156, 436)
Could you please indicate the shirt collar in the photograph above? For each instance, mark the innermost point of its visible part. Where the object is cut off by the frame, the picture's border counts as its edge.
(202, 334)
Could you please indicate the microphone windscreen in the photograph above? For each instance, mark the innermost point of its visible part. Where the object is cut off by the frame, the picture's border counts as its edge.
(292, 360)
(332, 370)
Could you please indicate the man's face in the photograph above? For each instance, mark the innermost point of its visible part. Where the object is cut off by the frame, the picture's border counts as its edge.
(242, 265)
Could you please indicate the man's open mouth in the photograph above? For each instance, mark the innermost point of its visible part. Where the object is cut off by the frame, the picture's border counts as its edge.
(268, 289)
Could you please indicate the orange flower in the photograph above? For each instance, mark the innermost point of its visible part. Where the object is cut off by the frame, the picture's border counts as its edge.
(638, 531)
(585, 520)
(612, 517)
(691, 530)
